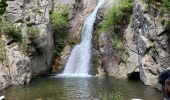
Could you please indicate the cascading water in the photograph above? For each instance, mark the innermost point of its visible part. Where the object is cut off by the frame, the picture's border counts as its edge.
(78, 63)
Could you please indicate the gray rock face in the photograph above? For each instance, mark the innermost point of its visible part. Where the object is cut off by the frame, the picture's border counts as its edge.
(4, 77)
(20, 68)
(132, 51)
(109, 62)
(147, 46)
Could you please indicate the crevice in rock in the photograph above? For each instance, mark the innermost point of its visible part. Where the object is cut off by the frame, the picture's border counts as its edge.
(134, 76)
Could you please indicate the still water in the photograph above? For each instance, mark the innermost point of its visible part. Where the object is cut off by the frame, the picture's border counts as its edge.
(80, 89)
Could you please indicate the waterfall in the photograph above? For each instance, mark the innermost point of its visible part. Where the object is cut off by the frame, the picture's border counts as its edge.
(78, 63)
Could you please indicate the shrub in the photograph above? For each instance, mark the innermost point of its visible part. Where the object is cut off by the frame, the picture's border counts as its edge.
(167, 4)
(115, 21)
(12, 31)
(8, 28)
(3, 6)
(117, 42)
(115, 14)
(32, 32)
(60, 24)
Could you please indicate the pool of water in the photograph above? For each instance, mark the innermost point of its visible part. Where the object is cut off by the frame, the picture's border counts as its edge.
(90, 88)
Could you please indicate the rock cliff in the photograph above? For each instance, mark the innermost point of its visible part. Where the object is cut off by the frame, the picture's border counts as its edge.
(137, 45)
(137, 49)
(146, 43)
(18, 67)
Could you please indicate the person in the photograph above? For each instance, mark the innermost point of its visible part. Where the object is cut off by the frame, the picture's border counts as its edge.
(164, 80)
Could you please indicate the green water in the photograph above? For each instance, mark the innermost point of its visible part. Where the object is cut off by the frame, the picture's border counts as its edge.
(80, 89)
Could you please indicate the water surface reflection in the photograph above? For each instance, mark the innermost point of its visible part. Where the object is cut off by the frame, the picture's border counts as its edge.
(80, 89)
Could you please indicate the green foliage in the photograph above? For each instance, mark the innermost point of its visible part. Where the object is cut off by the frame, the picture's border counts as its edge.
(167, 24)
(8, 28)
(64, 11)
(115, 14)
(3, 6)
(115, 21)
(167, 4)
(12, 31)
(117, 42)
(59, 20)
(32, 32)
(161, 11)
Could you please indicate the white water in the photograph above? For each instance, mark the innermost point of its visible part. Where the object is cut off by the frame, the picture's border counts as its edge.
(78, 63)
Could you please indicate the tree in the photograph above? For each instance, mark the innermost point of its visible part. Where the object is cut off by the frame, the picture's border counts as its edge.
(3, 6)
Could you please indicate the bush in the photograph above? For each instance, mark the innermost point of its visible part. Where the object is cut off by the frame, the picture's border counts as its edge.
(12, 31)
(3, 6)
(167, 4)
(113, 16)
(8, 28)
(117, 42)
(115, 22)
(32, 32)
(60, 24)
